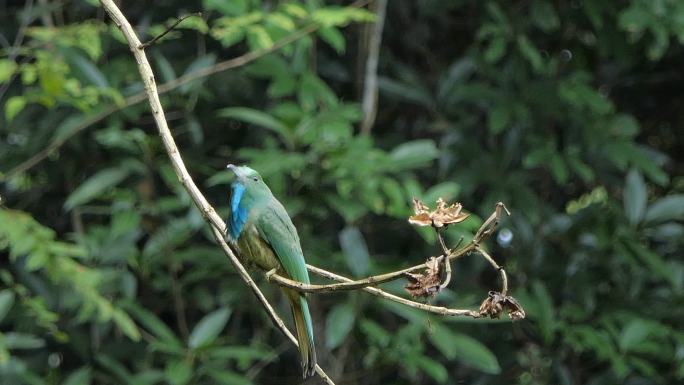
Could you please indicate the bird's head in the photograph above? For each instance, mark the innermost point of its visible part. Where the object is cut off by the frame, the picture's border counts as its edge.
(251, 181)
(244, 174)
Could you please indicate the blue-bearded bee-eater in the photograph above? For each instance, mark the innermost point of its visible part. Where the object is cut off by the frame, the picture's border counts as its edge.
(265, 236)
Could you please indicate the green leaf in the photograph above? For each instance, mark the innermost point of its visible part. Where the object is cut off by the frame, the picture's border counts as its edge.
(230, 8)
(634, 196)
(354, 247)
(413, 154)
(89, 70)
(178, 372)
(14, 106)
(208, 328)
(544, 16)
(495, 50)
(228, 377)
(151, 322)
(498, 118)
(126, 324)
(167, 237)
(338, 16)
(115, 367)
(625, 125)
(349, 209)
(200, 63)
(375, 332)
(558, 168)
(530, 52)
(164, 67)
(22, 341)
(433, 368)
(82, 376)
(7, 68)
(245, 355)
(258, 38)
(540, 307)
(95, 186)
(338, 324)
(334, 37)
(465, 349)
(654, 262)
(445, 190)
(633, 334)
(669, 208)
(6, 301)
(257, 118)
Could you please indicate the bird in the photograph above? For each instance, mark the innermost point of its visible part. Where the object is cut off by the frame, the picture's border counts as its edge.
(265, 236)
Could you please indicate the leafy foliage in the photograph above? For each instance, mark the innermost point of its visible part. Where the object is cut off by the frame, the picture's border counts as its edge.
(563, 110)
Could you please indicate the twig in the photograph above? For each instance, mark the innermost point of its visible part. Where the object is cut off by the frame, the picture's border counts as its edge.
(383, 294)
(169, 29)
(348, 284)
(444, 261)
(491, 223)
(217, 225)
(369, 102)
(504, 278)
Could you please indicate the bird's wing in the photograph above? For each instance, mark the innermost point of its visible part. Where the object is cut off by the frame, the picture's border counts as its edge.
(276, 228)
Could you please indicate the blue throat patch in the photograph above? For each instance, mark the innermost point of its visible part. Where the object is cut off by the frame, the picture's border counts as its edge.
(238, 213)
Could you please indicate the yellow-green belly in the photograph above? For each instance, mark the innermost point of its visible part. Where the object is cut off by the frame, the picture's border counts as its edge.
(254, 251)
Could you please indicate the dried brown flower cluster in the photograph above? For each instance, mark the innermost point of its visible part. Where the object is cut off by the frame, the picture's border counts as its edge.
(496, 303)
(442, 216)
(428, 283)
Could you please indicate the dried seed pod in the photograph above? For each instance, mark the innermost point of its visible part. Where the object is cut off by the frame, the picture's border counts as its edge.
(442, 216)
(496, 303)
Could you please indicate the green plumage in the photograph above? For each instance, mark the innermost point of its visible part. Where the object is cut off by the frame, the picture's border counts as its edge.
(267, 239)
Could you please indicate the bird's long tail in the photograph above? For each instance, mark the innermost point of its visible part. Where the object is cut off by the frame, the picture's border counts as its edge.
(302, 320)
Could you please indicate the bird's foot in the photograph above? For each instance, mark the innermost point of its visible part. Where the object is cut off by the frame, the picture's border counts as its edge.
(270, 273)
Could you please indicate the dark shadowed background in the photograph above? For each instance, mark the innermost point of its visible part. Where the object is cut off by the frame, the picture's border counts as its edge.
(570, 112)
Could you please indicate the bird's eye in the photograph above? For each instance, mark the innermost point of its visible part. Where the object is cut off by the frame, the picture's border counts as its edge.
(255, 179)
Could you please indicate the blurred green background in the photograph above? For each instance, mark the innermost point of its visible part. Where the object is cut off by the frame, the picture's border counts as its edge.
(570, 112)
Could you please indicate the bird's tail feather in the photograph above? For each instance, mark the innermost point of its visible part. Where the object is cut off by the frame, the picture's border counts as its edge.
(302, 320)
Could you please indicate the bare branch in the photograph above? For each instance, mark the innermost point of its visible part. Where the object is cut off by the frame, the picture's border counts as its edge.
(383, 294)
(217, 225)
(348, 284)
(370, 85)
(504, 278)
(169, 29)
(491, 223)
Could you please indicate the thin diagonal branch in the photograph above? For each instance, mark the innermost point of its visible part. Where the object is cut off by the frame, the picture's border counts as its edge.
(169, 29)
(217, 225)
